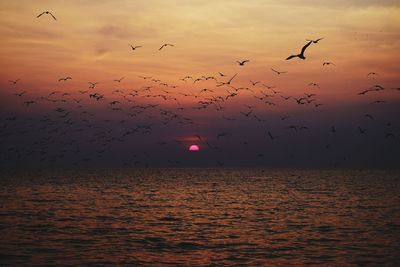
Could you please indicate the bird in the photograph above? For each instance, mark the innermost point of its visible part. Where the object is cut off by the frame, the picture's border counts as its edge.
(272, 137)
(278, 72)
(119, 80)
(254, 83)
(65, 79)
(369, 116)
(372, 74)
(313, 84)
(301, 55)
(165, 45)
(47, 13)
(93, 84)
(378, 102)
(362, 130)
(20, 94)
(241, 63)
(135, 47)
(246, 113)
(327, 63)
(14, 81)
(315, 41)
(285, 118)
(228, 82)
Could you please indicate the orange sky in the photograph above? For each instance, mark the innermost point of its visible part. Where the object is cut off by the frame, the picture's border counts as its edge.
(90, 42)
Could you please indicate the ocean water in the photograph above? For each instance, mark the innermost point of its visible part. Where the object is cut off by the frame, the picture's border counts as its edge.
(200, 217)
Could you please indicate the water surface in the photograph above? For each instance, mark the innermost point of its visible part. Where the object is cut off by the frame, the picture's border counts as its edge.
(197, 217)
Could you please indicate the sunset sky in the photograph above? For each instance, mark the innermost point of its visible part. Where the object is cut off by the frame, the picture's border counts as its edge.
(90, 41)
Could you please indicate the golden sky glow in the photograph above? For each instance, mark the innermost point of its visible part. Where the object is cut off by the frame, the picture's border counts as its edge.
(90, 42)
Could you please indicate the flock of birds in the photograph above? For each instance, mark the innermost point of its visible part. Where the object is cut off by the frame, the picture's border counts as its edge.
(70, 123)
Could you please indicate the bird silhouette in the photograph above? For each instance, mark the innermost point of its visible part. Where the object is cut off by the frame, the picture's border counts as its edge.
(14, 81)
(135, 47)
(301, 55)
(65, 79)
(165, 45)
(278, 72)
(327, 63)
(241, 63)
(228, 82)
(47, 13)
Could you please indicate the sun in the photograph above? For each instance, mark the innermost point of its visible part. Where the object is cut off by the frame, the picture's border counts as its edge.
(194, 148)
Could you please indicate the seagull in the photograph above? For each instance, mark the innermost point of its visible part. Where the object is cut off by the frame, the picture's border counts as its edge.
(362, 130)
(241, 63)
(313, 84)
(372, 73)
(14, 81)
(301, 55)
(165, 45)
(369, 116)
(327, 63)
(246, 113)
(47, 13)
(315, 41)
(116, 80)
(278, 72)
(271, 136)
(228, 82)
(20, 94)
(65, 79)
(135, 47)
(254, 83)
(93, 85)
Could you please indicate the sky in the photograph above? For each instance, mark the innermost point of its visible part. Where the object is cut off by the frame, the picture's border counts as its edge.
(90, 42)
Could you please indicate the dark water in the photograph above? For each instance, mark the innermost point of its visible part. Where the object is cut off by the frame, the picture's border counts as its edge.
(197, 217)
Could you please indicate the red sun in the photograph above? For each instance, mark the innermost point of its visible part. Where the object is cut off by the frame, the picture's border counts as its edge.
(194, 148)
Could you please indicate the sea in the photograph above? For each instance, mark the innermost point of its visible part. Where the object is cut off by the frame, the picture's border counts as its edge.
(200, 217)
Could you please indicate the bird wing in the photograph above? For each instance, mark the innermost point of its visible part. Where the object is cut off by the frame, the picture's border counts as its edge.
(232, 78)
(305, 47)
(52, 16)
(38, 16)
(290, 57)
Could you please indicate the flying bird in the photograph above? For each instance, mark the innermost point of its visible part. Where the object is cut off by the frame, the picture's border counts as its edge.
(135, 47)
(47, 13)
(271, 136)
(119, 80)
(228, 82)
(93, 85)
(372, 74)
(301, 55)
(254, 83)
(278, 72)
(241, 63)
(14, 81)
(65, 79)
(327, 63)
(165, 45)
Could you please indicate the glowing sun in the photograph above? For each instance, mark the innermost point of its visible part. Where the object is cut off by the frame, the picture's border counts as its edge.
(194, 148)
